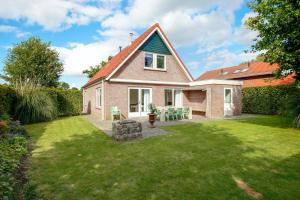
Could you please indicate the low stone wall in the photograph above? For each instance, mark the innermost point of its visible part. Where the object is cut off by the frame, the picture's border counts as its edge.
(126, 129)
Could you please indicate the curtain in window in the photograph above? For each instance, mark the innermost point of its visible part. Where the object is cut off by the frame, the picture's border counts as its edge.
(177, 97)
(146, 99)
(228, 96)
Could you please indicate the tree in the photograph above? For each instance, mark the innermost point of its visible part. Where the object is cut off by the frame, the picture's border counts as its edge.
(94, 69)
(278, 26)
(63, 85)
(33, 60)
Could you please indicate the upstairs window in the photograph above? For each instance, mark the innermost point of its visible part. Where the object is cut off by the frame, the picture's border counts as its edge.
(155, 61)
(149, 60)
(160, 62)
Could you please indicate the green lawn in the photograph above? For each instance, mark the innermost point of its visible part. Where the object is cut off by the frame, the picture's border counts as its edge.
(225, 159)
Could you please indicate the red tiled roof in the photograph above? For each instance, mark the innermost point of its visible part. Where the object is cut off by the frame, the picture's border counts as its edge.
(251, 74)
(259, 82)
(251, 69)
(122, 55)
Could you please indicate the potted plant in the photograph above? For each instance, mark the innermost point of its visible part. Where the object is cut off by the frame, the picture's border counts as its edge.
(152, 114)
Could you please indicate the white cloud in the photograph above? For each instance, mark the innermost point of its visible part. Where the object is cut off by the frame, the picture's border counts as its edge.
(77, 57)
(193, 65)
(207, 23)
(226, 58)
(13, 29)
(243, 34)
(56, 14)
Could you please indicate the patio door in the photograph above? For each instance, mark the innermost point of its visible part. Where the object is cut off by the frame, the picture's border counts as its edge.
(138, 100)
(228, 104)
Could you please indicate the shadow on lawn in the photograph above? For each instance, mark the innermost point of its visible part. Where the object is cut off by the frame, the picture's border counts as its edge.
(198, 161)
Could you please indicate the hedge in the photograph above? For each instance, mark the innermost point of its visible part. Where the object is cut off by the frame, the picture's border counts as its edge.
(68, 102)
(7, 100)
(268, 100)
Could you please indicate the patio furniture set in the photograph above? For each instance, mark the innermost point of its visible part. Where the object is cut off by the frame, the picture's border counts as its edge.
(162, 113)
(172, 113)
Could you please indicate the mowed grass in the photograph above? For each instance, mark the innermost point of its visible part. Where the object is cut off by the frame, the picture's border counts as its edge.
(224, 159)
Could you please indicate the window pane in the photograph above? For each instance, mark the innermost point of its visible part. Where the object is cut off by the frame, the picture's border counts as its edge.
(160, 62)
(98, 97)
(168, 98)
(149, 60)
(134, 100)
(228, 96)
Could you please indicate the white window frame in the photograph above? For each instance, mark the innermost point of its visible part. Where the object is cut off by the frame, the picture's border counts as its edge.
(139, 113)
(173, 96)
(154, 62)
(98, 97)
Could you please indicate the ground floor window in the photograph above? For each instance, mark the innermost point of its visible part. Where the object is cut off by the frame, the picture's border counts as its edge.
(98, 97)
(173, 97)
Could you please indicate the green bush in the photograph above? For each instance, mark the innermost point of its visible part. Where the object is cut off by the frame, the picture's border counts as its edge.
(11, 150)
(65, 103)
(7, 100)
(35, 106)
(282, 99)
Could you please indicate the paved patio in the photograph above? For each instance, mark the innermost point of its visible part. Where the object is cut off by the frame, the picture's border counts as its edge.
(106, 125)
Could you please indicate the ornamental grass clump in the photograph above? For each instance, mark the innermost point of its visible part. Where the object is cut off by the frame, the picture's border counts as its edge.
(33, 104)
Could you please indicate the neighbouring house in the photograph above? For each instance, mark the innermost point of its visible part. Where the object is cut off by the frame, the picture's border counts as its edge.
(253, 74)
(150, 71)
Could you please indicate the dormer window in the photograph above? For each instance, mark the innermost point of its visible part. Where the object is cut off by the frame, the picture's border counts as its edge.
(224, 73)
(155, 61)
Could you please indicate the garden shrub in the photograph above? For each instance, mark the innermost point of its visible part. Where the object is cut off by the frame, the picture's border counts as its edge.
(15, 128)
(27, 106)
(3, 127)
(284, 99)
(67, 102)
(33, 104)
(7, 100)
(11, 151)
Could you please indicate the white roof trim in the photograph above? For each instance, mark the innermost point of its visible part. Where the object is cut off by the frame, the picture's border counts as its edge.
(168, 45)
(216, 82)
(194, 83)
(148, 82)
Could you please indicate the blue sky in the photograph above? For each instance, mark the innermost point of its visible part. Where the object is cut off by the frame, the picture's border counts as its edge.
(207, 34)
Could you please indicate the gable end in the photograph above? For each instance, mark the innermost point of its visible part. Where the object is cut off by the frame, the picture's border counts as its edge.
(155, 44)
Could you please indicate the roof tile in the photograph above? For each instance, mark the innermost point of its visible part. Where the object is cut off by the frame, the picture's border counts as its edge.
(253, 69)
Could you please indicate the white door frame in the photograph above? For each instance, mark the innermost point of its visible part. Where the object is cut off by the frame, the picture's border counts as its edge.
(231, 102)
(139, 113)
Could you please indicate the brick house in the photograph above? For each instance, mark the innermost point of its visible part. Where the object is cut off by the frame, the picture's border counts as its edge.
(150, 71)
(253, 74)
